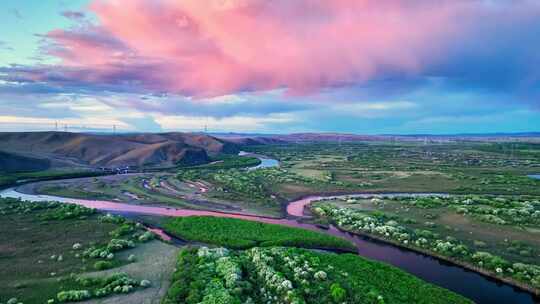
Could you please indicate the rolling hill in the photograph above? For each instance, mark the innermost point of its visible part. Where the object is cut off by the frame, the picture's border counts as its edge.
(11, 162)
(63, 148)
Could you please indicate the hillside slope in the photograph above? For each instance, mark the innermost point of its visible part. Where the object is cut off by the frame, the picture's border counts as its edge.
(11, 162)
(117, 150)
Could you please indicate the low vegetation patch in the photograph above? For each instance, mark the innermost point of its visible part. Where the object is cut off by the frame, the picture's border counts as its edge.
(75, 193)
(228, 161)
(242, 234)
(46, 246)
(10, 179)
(258, 187)
(98, 287)
(454, 167)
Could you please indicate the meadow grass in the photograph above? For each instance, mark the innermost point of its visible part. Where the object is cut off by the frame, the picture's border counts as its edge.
(242, 234)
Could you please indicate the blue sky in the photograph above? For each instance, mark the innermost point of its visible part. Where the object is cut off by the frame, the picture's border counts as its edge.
(251, 66)
(23, 22)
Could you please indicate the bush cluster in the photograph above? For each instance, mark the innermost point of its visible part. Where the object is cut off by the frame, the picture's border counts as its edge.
(98, 287)
(289, 275)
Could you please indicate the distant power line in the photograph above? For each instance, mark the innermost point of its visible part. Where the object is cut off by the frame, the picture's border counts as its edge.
(56, 126)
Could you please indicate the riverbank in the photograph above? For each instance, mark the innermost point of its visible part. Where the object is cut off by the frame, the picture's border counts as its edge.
(32, 189)
(468, 266)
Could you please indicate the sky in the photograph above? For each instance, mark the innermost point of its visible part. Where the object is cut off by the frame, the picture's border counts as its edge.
(280, 66)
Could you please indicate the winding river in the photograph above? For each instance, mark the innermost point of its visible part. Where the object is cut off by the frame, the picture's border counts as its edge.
(472, 285)
(266, 162)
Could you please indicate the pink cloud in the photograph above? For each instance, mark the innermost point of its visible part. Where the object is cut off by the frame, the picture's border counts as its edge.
(215, 47)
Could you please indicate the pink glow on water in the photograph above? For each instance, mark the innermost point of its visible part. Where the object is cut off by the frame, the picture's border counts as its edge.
(160, 233)
(296, 208)
(148, 210)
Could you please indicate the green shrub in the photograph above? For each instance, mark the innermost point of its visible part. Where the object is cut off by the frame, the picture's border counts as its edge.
(102, 265)
(338, 294)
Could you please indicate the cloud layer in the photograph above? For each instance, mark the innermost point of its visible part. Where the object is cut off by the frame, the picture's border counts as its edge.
(218, 47)
(211, 48)
(247, 59)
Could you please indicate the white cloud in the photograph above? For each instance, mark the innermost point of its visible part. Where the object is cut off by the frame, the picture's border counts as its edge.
(227, 124)
(367, 109)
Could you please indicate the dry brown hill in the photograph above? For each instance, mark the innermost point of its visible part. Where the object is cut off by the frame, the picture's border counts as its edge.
(117, 150)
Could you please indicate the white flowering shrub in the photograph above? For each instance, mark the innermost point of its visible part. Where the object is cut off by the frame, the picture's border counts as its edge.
(73, 295)
(145, 283)
(214, 253)
(119, 244)
(61, 211)
(281, 275)
(147, 236)
(109, 218)
(13, 301)
(320, 275)
(116, 283)
(229, 270)
(277, 288)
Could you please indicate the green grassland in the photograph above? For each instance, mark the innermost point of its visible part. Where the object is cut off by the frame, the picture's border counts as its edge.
(228, 162)
(242, 234)
(460, 167)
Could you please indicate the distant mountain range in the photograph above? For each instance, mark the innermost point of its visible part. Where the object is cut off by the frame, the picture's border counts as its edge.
(502, 134)
(343, 137)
